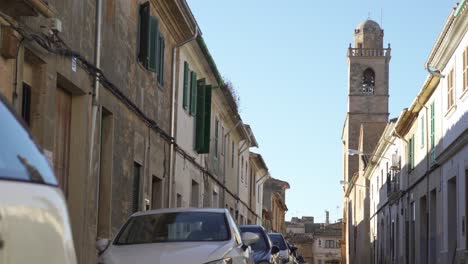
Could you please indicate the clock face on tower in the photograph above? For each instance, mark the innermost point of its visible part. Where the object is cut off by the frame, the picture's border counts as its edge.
(368, 82)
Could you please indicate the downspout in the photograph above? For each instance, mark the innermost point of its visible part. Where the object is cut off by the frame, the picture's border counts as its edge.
(224, 173)
(173, 105)
(94, 102)
(428, 157)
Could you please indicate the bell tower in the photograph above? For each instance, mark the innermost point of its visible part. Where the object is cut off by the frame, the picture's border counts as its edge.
(368, 71)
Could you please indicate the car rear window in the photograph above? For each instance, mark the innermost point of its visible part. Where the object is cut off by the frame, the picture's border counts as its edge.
(174, 227)
(278, 241)
(20, 159)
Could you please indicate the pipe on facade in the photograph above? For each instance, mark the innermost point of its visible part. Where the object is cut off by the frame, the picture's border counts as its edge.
(95, 107)
(434, 72)
(173, 104)
(16, 81)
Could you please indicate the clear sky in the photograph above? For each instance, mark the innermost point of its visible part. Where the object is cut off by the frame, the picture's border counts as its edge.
(287, 60)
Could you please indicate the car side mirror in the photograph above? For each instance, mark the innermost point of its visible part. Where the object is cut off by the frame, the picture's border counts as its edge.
(249, 238)
(293, 249)
(102, 244)
(274, 250)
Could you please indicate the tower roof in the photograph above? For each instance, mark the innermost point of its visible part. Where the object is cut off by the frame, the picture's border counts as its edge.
(369, 26)
(368, 35)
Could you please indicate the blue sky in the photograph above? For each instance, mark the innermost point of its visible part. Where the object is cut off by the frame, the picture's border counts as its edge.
(287, 60)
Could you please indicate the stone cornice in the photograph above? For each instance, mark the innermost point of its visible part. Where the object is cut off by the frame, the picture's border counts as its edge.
(177, 18)
(450, 37)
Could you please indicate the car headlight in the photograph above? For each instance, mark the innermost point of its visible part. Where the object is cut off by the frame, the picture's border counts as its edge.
(221, 261)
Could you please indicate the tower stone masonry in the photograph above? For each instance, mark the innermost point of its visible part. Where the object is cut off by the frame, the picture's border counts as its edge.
(368, 93)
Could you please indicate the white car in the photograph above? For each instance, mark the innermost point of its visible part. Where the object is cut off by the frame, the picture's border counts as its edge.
(178, 235)
(34, 223)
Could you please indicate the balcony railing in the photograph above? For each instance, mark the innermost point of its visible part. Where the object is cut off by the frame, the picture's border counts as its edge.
(393, 184)
(362, 52)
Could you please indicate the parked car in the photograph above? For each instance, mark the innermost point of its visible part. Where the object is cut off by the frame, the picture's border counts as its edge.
(293, 251)
(178, 235)
(285, 256)
(264, 252)
(34, 222)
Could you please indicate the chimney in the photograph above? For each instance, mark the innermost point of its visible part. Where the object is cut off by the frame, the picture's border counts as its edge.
(327, 217)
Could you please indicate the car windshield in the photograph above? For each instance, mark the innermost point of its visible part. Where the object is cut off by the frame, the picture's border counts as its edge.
(174, 227)
(261, 244)
(278, 241)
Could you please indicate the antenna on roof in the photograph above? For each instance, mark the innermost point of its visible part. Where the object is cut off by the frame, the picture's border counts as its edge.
(381, 17)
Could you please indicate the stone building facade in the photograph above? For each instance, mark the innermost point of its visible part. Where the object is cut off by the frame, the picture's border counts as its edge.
(415, 177)
(274, 205)
(419, 205)
(317, 243)
(100, 83)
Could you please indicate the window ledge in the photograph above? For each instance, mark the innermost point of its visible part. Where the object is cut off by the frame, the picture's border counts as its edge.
(464, 95)
(450, 111)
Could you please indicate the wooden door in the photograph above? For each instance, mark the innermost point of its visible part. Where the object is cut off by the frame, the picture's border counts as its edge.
(62, 137)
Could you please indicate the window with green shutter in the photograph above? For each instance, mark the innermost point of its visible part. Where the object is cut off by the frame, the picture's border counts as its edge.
(203, 117)
(193, 93)
(207, 121)
(144, 34)
(216, 138)
(422, 131)
(161, 49)
(151, 45)
(432, 132)
(186, 86)
(154, 37)
(200, 118)
(411, 153)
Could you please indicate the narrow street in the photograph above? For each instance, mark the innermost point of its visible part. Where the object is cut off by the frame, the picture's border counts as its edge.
(212, 132)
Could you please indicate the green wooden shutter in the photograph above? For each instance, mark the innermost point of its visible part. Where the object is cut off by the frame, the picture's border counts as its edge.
(410, 154)
(200, 116)
(422, 131)
(186, 83)
(160, 67)
(193, 93)
(154, 36)
(432, 132)
(207, 119)
(144, 34)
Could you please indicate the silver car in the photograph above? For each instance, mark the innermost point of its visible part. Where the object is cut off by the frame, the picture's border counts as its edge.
(178, 235)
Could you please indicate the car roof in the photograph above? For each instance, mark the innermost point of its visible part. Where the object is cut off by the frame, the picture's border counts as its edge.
(179, 210)
(251, 226)
(275, 234)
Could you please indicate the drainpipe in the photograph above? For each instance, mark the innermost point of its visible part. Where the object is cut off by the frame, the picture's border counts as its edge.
(94, 102)
(173, 106)
(224, 173)
(434, 72)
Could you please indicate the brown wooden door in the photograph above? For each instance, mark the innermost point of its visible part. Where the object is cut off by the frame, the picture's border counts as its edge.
(62, 137)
